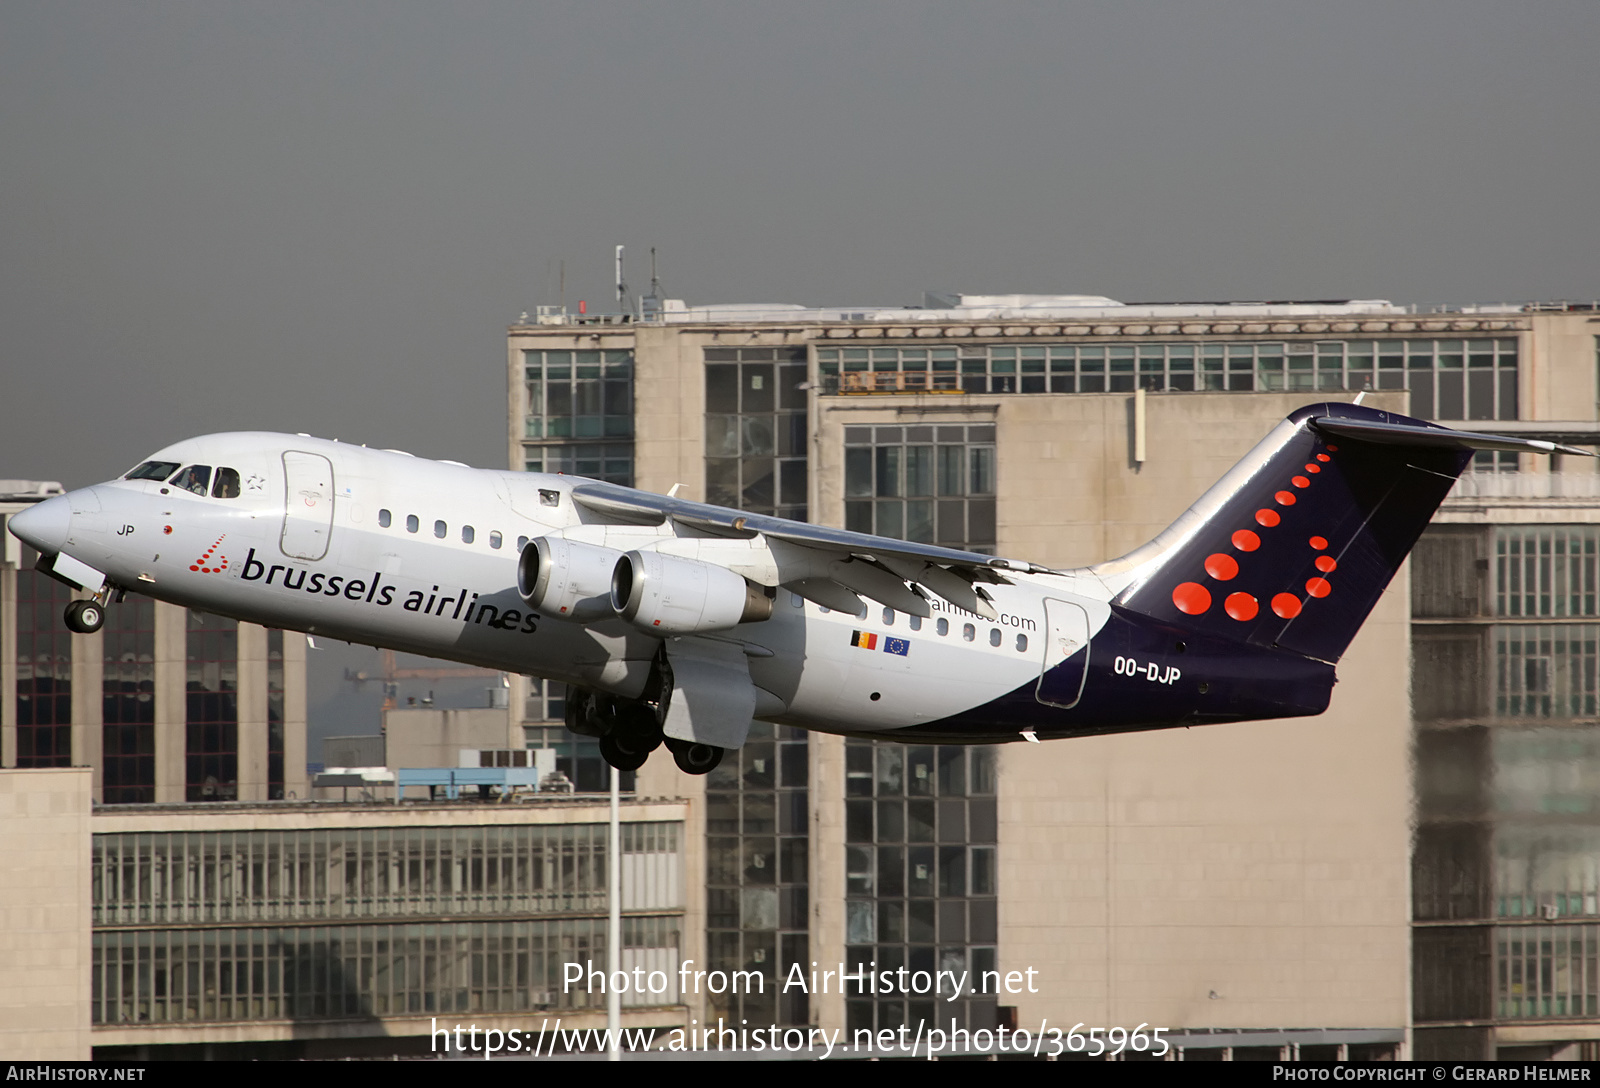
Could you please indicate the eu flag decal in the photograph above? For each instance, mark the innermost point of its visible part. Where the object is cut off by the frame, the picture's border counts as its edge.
(866, 640)
(901, 646)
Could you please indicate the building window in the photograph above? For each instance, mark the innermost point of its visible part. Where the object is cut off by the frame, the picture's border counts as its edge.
(1448, 379)
(275, 707)
(932, 484)
(583, 399)
(1548, 971)
(189, 893)
(128, 703)
(757, 873)
(608, 461)
(44, 670)
(1547, 571)
(212, 719)
(920, 864)
(756, 430)
(578, 394)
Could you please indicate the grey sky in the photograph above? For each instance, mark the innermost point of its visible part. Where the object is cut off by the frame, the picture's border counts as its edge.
(321, 217)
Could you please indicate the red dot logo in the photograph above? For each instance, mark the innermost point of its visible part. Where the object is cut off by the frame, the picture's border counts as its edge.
(1300, 481)
(1318, 587)
(1333, 449)
(1284, 498)
(1241, 606)
(1269, 518)
(1191, 598)
(1313, 469)
(1319, 542)
(1326, 564)
(1324, 458)
(1221, 567)
(1286, 605)
(1246, 541)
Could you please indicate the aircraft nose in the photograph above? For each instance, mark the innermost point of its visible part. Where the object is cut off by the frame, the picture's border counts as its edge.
(45, 526)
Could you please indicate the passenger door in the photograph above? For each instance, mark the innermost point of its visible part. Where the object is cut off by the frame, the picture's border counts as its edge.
(307, 505)
(1066, 654)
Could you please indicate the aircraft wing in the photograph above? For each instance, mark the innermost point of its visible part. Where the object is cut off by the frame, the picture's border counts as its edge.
(839, 566)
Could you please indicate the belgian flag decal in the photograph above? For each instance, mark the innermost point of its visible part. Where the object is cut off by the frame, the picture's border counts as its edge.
(866, 640)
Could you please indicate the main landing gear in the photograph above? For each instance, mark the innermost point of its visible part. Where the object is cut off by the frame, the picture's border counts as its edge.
(693, 758)
(629, 730)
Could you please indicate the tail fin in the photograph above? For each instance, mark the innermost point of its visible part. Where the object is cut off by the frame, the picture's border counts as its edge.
(1294, 546)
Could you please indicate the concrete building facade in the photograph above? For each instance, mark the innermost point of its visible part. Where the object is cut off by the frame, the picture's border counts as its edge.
(317, 929)
(1251, 886)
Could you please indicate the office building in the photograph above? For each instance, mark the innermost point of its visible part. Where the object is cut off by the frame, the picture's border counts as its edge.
(1294, 886)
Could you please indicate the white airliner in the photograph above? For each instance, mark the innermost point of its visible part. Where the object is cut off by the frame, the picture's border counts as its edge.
(680, 622)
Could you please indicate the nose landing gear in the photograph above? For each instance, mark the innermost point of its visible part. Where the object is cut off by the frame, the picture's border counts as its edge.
(85, 617)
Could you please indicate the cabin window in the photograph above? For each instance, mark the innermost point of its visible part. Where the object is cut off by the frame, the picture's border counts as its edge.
(888, 617)
(153, 470)
(797, 600)
(440, 529)
(226, 485)
(994, 636)
(943, 626)
(968, 632)
(495, 539)
(916, 622)
(384, 518)
(522, 542)
(1022, 644)
(412, 523)
(467, 534)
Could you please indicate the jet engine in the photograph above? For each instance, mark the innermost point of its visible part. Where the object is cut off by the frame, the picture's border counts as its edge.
(669, 595)
(566, 579)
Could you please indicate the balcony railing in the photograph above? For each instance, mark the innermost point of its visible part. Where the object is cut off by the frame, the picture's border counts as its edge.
(1528, 485)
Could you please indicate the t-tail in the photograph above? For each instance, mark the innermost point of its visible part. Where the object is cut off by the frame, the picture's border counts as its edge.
(1293, 547)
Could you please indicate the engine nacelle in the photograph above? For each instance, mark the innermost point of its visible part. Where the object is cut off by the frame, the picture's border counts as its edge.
(669, 595)
(565, 579)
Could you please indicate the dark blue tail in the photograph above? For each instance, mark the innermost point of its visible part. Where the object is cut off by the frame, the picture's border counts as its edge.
(1293, 548)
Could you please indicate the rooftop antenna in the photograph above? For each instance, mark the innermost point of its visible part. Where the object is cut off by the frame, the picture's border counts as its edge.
(622, 286)
(651, 303)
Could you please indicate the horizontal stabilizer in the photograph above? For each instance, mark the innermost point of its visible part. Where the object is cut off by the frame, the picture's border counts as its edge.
(1388, 433)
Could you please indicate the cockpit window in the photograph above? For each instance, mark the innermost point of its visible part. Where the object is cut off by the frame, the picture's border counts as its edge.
(226, 485)
(196, 478)
(153, 470)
